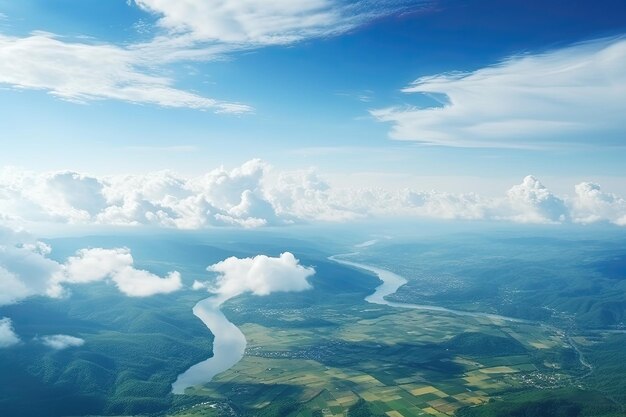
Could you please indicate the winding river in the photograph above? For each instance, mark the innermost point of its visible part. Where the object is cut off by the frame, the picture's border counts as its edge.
(229, 346)
(229, 343)
(391, 283)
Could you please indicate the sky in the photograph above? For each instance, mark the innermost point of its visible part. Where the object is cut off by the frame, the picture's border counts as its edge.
(277, 112)
(126, 115)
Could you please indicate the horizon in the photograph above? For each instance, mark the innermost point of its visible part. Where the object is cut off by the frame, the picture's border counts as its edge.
(312, 208)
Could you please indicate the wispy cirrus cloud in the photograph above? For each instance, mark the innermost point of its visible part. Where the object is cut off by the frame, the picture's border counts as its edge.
(200, 30)
(569, 96)
(249, 21)
(261, 22)
(83, 72)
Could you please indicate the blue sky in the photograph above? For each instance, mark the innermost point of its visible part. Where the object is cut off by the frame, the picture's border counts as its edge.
(519, 88)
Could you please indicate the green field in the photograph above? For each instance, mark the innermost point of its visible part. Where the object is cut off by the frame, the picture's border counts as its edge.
(399, 362)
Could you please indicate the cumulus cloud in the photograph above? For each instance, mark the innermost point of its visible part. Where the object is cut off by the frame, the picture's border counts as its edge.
(532, 202)
(64, 195)
(305, 196)
(572, 95)
(257, 195)
(98, 264)
(61, 341)
(260, 275)
(26, 271)
(219, 197)
(422, 204)
(7, 334)
(592, 204)
(527, 202)
(82, 72)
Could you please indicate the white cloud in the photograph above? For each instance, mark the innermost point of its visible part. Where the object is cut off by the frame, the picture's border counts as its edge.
(532, 202)
(256, 195)
(90, 265)
(261, 275)
(220, 197)
(7, 334)
(422, 204)
(263, 22)
(258, 21)
(13, 288)
(97, 264)
(592, 204)
(568, 96)
(199, 285)
(54, 196)
(61, 341)
(224, 188)
(305, 196)
(83, 72)
(26, 271)
(139, 283)
(201, 30)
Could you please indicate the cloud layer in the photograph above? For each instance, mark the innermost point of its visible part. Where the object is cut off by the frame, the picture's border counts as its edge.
(568, 96)
(26, 271)
(7, 334)
(260, 275)
(255, 195)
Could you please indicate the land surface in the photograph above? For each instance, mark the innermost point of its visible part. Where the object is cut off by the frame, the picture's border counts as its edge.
(327, 351)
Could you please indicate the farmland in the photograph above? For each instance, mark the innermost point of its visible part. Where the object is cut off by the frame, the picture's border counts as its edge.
(397, 362)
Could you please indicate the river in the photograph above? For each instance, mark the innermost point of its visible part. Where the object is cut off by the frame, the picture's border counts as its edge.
(390, 284)
(229, 343)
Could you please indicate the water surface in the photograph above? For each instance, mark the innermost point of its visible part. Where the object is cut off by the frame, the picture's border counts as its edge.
(390, 284)
(229, 346)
